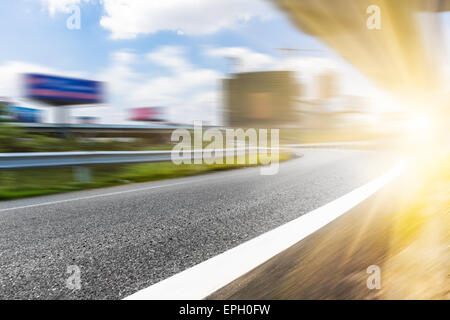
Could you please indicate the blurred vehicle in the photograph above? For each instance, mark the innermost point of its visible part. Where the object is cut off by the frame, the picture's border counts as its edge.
(156, 114)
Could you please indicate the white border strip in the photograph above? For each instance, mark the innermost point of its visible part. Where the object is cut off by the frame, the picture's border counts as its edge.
(207, 277)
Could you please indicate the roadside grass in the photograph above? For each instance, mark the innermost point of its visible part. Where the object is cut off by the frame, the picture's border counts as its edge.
(36, 182)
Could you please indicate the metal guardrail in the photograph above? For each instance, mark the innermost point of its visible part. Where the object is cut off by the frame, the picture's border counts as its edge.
(55, 126)
(10, 161)
(359, 145)
(336, 145)
(80, 161)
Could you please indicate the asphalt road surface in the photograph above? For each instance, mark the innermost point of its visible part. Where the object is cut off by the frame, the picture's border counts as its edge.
(127, 238)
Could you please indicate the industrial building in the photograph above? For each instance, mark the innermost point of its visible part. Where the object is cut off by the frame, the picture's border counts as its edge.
(260, 99)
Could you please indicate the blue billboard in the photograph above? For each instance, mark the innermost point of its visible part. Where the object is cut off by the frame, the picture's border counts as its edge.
(59, 91)
(22, 114)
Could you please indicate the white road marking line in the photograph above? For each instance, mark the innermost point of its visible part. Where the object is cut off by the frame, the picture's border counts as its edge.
(86, 198)
(118, 192)
(207, 277)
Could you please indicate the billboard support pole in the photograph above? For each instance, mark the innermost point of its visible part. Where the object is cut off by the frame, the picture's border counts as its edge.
(62, 118)
(62, 115)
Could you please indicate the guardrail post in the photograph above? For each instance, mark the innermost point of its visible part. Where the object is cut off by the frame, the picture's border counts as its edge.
(82, 174)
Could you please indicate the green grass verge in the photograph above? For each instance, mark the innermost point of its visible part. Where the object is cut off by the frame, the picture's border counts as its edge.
(35, 182)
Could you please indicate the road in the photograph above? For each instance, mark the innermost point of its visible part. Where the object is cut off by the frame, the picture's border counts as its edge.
(127, 238)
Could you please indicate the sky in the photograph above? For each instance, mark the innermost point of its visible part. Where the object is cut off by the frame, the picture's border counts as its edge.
(171, 53)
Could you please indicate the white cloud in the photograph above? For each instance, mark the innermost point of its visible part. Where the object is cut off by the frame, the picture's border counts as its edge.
(119, 76)
(244, 59)
(128, 18)
(171, 57)
(176, 88)
(190, 93)
(123, 57)
(55, 6)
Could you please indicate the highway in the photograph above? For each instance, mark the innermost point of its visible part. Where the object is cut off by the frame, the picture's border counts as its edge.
(127, 238)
